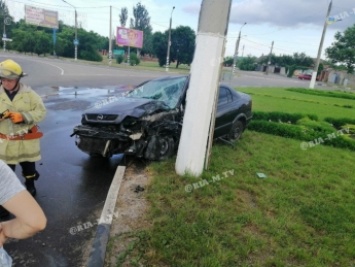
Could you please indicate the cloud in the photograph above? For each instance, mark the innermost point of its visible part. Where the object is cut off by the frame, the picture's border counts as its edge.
(192, 8)
(281, 13)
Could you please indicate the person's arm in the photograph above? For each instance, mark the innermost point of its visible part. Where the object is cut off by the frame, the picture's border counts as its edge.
(37, 111)
(29, 217)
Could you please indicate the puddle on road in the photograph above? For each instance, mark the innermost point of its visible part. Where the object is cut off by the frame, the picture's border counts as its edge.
(79, 98)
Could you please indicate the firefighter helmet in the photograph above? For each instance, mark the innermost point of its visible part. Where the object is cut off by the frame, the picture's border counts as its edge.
(9, 69)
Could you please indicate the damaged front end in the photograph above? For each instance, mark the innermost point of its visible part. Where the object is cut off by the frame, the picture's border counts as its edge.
(153, 137)
(145, 123)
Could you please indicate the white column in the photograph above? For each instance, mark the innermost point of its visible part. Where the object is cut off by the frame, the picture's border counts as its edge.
(198, 124)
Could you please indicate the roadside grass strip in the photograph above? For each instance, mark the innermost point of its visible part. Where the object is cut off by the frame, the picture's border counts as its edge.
(302, 214)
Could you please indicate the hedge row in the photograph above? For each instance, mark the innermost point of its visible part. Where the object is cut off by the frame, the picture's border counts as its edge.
(338, 123)
(343, 95)
(282, 117)
(312, 132)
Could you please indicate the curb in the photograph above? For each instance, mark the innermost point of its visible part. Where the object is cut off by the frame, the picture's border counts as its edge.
(98, 250)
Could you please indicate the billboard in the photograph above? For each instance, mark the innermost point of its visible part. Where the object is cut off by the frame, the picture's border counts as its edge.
(129, 37)
(41, 17)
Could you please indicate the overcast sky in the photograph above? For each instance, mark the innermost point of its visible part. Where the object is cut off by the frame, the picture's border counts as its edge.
(294, 26)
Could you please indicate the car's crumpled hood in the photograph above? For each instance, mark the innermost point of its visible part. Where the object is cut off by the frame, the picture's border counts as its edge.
(123, 107)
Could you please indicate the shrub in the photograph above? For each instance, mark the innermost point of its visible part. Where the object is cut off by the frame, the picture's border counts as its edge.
(119, 59)
(91, 56)
(338, 123)
(319, 134)
(281, 117)
(315, 128)
(306, 128)
(342, 141)
(279, 129)
(133, 59)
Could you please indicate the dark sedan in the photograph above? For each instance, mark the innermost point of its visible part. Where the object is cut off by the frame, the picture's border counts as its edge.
(147, 121)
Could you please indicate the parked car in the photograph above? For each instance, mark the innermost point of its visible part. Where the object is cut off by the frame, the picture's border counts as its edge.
(305, 76)
(147, 121)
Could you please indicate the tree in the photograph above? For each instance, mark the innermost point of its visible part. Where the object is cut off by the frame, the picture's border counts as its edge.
(5, 19)
(141, 21)
(23, 37)
(247, 63)
(228, 61)
(42, 44)
(123, 16)
(301, 59)
(159, 42)
(90, 45)
(182, 45)
(343, 50)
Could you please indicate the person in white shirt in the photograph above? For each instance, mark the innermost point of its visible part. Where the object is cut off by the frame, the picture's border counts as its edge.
(29, 217)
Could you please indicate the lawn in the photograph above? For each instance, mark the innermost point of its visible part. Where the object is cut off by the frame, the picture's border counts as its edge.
(301, 214)
(278, 99)
(146, 65)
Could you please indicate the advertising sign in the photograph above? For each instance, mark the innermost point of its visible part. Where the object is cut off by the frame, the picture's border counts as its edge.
(129, 37)
(41, 17)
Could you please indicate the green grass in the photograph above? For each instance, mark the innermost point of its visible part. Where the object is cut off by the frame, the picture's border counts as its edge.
(146, 65)
(345, 95)
(302, 214)
(279, 99)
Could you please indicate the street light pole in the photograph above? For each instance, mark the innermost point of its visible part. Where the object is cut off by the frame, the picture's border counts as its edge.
(76, 42)
(4, 35)
(315, 71)
(236, 49)
(169, 43)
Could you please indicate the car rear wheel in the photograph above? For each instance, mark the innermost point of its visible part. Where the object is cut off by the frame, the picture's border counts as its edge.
(236, 130)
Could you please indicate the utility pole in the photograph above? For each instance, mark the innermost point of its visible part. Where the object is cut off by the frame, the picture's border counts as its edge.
(236, 50)
(198, 125)
(169, 43)
(76, 41)
(243, 51)
(269, 60)
(110, 40)
(315, 71)
(4, 34)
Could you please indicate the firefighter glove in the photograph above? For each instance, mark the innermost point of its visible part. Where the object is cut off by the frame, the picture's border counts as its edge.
(15, 117)
(4, 114)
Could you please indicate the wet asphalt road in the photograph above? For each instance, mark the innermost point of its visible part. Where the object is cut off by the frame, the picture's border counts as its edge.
(73, 187)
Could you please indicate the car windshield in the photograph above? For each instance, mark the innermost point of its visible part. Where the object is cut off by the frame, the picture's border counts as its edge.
(168, 90)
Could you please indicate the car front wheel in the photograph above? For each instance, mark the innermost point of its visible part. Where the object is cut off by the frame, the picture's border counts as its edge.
(160, 148)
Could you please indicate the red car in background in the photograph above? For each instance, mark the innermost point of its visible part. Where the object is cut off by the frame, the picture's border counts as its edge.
(305, 76)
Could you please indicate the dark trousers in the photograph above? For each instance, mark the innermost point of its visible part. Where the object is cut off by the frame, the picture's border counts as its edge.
(28, 168)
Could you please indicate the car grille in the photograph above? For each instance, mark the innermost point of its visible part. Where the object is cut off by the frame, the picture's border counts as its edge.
(101, 117)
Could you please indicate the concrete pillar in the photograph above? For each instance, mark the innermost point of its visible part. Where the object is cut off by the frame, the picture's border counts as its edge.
(199, 116)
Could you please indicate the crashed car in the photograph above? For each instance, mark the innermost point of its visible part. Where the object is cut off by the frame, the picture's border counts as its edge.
(147, 121)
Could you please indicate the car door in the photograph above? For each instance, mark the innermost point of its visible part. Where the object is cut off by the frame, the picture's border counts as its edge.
(226, 111)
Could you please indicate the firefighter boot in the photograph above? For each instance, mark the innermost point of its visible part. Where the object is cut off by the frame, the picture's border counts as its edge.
(30, 183)
(30, 186)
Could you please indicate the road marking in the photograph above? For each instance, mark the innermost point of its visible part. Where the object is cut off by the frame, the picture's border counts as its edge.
(62, 71)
